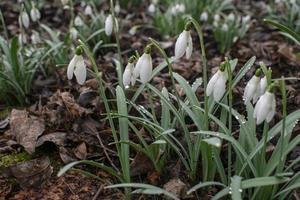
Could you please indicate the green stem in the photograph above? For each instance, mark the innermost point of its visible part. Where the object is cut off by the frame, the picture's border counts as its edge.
(117, 34)
(263, 153)
(204, 63)
(102, 93)
(230, 100)
(152, 106)
(72, 14)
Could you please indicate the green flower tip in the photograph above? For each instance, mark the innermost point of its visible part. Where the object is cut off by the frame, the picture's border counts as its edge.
(78, 50)
(272, 87)
(188, 26)
(131, 59)
(222, 66)
(258, 72)
(147, 49)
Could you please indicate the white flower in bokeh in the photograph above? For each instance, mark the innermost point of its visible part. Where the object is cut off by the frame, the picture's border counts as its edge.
(24, 19)
(109, 25)
(78, 21)
(204, 17)
(88, 11)
(35, 13)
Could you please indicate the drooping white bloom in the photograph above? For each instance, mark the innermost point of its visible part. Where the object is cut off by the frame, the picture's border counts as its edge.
(246, 19)
(22, 39)
(252, 90)
(77, 67)
(217, 18)
(35, 37)
(151, 8)
(88, 11)
(128, 75)
(109, 25)
(231, 17)
(263, 85)
(73, 33)
(184, 44)
(78, 21)
(225, 27)
(117, 7)
(64, 2)
(216, 86)
(143, 68)
(178, 8)
(35, 13)
(265, 108)
(204, 17)
(24, 19)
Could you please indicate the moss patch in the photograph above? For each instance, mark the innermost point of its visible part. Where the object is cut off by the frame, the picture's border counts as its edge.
(7, 160)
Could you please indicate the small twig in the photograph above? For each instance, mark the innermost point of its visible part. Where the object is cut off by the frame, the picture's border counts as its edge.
(98, 192)
(105, 152)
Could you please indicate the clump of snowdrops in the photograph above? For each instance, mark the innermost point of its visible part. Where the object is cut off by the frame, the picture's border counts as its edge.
(246, 172)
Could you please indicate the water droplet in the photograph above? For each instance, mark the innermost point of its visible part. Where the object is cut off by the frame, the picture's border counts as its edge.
(127, 86)
(230, 192)
(240, 190)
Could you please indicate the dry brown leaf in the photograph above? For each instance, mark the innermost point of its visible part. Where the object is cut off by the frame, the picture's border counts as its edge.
(32, 173)
(26, 129)
(141, 164)
(81, 151)
(58, 138)
(176, 187)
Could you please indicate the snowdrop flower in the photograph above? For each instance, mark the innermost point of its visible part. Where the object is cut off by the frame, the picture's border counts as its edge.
(246, 19)
(78, 21)
(64, 2)
(109, 25)
(73, 33)
(35, 13)
(265, 107)
(204, 17)
(292, 1)
(143, 67)
(35, 37)
(252, 89)
(151, 8)
(117, 7)
(128, 75)
(263, 85)
(225, 27)
(22, 39)
(24, 19)
(184, 43)
(178, 8)
(88, 11)
(77, 67)
(216, 86)
(217, 18)
(231, 17)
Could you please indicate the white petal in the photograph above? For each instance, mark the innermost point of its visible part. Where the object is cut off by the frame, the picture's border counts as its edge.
(263, 107)
(220, 87)
(80, 71)
(109, 25)
(181, 44)
(71, 67)
(88, 10)
(251, 89)
(211, 84)
(263, 85)
(189, 49)
(35, 14)
(78, 21)
(273, 109)
(146, 68)
(138, 65)
(127, 75)
(25, 19)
